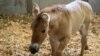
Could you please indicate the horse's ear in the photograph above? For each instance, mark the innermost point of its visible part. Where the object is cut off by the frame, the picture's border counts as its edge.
(36, 9)
(46, 17)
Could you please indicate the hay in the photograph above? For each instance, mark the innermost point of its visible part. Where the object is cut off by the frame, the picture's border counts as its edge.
(15, 37)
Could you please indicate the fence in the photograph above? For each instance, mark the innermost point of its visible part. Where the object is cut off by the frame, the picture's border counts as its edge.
(20, 6)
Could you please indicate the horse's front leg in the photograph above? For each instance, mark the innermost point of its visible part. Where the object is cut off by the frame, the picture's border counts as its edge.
(62, 45)
(54, 45)
(58, 49)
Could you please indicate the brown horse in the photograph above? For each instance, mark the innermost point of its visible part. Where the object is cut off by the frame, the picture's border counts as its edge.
(59, 22)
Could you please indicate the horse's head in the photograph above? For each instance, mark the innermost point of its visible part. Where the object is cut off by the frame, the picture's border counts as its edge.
(40, 29)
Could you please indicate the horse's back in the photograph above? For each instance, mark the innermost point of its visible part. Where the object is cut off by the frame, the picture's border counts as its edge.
(79, 11)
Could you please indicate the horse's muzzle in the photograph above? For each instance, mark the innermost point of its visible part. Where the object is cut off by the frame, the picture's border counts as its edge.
(34, 48)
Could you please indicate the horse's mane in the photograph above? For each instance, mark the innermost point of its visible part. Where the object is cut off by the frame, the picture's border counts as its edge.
(53, 9)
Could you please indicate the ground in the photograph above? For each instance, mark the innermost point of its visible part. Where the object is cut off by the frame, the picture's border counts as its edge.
(15, 38)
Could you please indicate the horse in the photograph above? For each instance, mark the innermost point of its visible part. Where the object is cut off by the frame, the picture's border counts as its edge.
(60, 22)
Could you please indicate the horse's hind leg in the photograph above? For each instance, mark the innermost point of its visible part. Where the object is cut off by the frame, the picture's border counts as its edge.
(84, 32)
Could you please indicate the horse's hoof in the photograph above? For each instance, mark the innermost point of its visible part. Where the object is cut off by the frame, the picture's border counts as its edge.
(86, 47)
(81, 55)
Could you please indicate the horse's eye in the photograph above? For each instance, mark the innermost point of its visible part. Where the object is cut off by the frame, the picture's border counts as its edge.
(43, 31)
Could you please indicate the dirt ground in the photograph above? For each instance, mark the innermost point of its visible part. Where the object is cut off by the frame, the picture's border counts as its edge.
(15, 38)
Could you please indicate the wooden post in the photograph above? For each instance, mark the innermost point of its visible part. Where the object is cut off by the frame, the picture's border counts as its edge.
(29, 6)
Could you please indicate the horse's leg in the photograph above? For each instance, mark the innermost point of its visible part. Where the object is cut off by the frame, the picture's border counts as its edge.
(62, 45)
(54, 45)
(84, 32)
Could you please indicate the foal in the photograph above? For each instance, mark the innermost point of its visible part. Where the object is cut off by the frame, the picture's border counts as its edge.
(60, 22)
